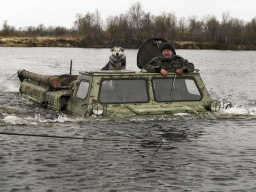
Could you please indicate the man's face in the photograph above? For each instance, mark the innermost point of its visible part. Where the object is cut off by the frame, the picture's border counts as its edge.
(167, 53)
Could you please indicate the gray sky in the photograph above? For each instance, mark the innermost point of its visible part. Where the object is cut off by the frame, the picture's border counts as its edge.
(24, 13)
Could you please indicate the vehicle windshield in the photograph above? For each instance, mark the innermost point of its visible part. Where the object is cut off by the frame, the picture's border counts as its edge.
(180, 89)
(123, 91)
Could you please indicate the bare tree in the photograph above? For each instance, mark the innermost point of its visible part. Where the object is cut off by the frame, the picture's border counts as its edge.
(112, 28)
(195, 29)
(224, 27)
(78, 23)
(147, 26)
(236, 32)
(7, 30)
(171, 25)
(160, 26)
(250, 32)
(98, 24)
(211, 28)
(135, 15)
(181, 30)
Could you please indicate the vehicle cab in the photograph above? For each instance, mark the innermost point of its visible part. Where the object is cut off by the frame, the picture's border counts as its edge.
(114, 93)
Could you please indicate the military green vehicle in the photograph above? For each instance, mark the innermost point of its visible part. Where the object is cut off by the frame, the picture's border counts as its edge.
(120, 93)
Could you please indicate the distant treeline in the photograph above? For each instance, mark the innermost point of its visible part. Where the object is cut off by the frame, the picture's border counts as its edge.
(134, 27)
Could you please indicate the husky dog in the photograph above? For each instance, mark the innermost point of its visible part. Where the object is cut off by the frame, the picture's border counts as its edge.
(117, 59)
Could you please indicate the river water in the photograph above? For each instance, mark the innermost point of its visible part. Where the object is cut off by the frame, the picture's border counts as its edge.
(185, 154)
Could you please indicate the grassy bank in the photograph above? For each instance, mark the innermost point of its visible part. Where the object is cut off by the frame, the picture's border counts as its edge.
(211, 45)
(39, 42)
(80, 42)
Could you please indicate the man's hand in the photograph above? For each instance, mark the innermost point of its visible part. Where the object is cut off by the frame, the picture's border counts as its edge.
(179, 72)
(164, 72)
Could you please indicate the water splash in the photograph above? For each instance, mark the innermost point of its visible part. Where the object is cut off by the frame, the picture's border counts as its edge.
(9, 88)
(239, 110)
(13, 119)
(229, 108)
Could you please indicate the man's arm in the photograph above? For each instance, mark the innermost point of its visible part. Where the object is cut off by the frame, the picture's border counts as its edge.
(153, 66)
(187, 66)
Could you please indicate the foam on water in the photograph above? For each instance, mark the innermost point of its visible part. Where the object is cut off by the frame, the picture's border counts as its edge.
(181, 114)
(9, 88)
(16, 120)
(239, 110)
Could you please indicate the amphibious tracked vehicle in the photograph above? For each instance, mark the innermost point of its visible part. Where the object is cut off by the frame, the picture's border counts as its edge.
(120, 93)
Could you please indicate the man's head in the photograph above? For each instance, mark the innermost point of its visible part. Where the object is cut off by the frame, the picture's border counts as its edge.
(167, 50)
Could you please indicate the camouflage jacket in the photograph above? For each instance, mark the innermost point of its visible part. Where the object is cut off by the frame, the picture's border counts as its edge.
(175, 62)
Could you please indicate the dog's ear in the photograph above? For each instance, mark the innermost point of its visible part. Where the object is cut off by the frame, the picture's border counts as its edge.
(122, 49)
(112, 49)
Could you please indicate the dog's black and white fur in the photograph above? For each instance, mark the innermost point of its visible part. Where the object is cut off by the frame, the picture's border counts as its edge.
(117, 60)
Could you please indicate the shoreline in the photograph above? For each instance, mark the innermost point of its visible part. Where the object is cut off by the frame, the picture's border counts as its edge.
(77, 42)
(39, 42)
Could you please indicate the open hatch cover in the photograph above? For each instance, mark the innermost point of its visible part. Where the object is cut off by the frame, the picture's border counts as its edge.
(148, 50)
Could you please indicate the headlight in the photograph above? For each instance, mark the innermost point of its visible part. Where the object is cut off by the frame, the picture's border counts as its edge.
(215, 106)
(97, 109)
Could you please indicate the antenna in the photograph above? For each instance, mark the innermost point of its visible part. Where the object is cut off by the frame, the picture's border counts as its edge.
(70, 72)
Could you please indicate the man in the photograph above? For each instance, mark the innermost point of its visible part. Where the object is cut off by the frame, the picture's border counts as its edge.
(169, 62)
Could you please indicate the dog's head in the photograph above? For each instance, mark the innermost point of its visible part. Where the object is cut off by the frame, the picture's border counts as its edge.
(117, 52)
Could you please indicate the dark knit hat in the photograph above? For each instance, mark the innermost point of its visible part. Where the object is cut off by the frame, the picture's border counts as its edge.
(169, 46)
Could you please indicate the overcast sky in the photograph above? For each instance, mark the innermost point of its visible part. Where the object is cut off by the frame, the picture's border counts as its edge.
(24, 13)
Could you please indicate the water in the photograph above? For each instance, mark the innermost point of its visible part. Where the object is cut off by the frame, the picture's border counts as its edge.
(184, 153)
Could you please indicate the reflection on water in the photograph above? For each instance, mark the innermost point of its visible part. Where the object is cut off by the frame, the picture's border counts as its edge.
(179, 153)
